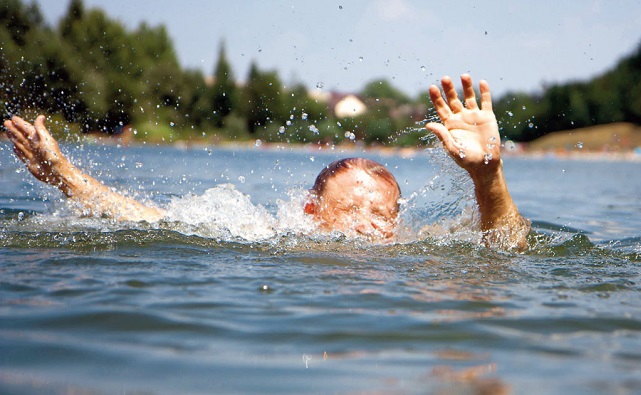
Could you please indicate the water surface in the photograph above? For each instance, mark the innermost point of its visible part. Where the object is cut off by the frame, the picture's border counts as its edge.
(91, 306)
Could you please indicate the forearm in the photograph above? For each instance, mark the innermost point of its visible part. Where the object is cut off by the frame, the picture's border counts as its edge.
(98, 200)
(501, 222)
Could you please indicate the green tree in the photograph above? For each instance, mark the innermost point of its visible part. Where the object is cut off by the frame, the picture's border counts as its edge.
(382, 90)
(264, 102)
(75, 13)
(223, 90)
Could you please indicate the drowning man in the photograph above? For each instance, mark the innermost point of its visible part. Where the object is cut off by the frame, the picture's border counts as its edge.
(352, 195)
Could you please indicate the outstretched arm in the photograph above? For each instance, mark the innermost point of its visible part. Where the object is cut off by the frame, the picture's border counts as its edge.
(470, 135)
(34, 146)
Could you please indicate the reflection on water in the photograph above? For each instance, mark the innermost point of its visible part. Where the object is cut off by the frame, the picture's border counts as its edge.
(251, 303)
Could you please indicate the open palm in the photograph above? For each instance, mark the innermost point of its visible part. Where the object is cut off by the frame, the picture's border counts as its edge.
(469, 133)
(36, 148)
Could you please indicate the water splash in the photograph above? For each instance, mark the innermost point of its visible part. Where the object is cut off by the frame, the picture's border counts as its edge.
(443, 209)
(222, 211)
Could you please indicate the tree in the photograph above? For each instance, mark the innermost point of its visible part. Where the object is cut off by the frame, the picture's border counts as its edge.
(381, 89)
(223, 90)
(75, 13)
(264, 101)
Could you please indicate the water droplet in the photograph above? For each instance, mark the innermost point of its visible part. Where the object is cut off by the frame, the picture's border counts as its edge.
(258, 143)
(320, 85)
(241, 179)
(461, 154)
(281, 130)
(266, 289)
(510, 113)
(313, 129)
(350, 135)
(530, 125)
(360, 58)
(579, 145)
(288, 123)
(423, 68)
(340, 7)
(304, 116)
(138, 165)
(487, 157)
(20, 216)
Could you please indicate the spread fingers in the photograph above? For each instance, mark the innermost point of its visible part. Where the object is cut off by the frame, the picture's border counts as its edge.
(442, 109)
(14, 133)
(468, 92)
(486, 97)
(451, 94)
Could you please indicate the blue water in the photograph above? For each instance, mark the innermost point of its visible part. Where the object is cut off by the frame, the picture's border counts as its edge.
(91, 306)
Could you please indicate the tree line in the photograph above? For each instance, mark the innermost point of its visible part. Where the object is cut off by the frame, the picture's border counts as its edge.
(94, 74)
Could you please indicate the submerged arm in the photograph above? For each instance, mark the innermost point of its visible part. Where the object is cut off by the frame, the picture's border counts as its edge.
(34, 145)
(470, 135)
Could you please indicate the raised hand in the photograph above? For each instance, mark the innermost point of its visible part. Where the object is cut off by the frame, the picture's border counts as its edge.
(34, 146)
(469, 133)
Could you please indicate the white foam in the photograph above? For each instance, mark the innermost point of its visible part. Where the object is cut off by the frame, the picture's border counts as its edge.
(222, 211)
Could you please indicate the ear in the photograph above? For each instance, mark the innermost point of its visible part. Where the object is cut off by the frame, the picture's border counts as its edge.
(310, 207)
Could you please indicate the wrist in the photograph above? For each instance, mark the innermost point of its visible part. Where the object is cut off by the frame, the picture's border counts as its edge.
(493, 198)
(488, 174)
(69, 178)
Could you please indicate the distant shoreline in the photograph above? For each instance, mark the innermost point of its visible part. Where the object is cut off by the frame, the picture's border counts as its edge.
(610, 142)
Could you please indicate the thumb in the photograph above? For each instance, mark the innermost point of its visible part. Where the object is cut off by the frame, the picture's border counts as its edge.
(442, 133)
(41, 129)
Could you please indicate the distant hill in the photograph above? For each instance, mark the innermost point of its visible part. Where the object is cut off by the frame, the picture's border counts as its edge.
(614, 137)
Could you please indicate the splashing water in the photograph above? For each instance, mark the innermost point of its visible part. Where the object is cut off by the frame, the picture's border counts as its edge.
(443, 209)
(223, 212)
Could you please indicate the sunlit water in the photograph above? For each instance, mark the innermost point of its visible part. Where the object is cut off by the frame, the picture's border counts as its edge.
(235, 293)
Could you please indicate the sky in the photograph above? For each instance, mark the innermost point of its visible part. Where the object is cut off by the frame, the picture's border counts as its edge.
(517, 46)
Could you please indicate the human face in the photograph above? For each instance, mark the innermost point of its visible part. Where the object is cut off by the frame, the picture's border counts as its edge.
(354, 201)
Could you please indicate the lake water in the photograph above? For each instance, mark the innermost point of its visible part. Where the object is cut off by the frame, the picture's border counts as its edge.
(244, 302)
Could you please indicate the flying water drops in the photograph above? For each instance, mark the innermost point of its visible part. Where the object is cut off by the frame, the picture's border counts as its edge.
(491, 143)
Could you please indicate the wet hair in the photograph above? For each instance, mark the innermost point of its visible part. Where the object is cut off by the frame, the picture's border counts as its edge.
(374, 169)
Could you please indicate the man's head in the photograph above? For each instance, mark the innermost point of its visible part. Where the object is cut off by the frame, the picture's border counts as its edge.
(355, 194)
